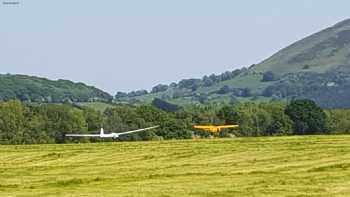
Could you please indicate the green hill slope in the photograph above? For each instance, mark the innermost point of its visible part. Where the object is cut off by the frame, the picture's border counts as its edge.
(278, 166)
(317, 67)
(320, 52)
(35, 89)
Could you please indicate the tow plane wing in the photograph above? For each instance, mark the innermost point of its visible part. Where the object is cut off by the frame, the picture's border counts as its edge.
(214, 129)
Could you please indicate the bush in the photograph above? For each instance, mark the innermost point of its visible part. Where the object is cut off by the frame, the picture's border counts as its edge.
(269, 76)
(160, 88)
(225, 90)
(163, 105)
(307, 116)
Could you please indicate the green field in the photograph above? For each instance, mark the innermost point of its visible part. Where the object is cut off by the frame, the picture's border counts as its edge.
(275, 166)
(99, 106)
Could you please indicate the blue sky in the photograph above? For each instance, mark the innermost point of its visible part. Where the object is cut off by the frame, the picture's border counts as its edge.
(135, 44)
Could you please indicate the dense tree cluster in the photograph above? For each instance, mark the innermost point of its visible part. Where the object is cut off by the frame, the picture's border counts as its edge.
(239, 92)
(159, 88)
(308, 118)
(186, 84)
(23, 123)
(257, 119)
(206, 81)
(121, 95)
(137, 93)
(329, 90)
(35, 89)
(338, 121)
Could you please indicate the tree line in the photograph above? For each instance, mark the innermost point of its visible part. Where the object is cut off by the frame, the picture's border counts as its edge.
(186, 84)
(23, 123)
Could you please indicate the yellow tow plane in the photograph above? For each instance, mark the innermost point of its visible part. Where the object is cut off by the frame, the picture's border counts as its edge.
(215, 129)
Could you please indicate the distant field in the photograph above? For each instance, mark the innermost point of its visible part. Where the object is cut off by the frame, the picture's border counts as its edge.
(276, 166)
(99, 106)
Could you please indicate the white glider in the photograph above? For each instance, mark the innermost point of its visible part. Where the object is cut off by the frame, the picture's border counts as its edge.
(110, 135)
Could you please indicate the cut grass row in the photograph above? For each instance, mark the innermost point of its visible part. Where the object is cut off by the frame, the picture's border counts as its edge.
(272, 166)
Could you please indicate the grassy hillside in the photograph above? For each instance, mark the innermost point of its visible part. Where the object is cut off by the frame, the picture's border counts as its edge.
(323, 51)
(316, 67)
(279, 166)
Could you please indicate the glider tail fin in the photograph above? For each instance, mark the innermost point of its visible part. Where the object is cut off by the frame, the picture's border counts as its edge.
(101, 132)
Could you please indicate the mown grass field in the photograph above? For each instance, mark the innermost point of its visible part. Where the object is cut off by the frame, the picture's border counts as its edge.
(275, 166)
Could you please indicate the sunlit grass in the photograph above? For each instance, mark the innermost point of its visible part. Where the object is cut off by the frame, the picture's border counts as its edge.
(277, 166)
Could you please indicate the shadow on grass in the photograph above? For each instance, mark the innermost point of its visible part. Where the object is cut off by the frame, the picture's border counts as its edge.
(74, 182)
(342, 166)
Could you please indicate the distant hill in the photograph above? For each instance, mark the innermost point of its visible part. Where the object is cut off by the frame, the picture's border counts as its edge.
(324, 51)
(35, 89)
(316, 67)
